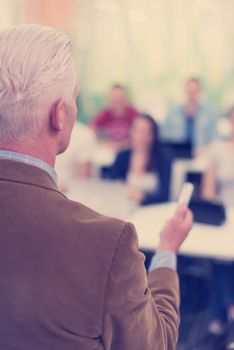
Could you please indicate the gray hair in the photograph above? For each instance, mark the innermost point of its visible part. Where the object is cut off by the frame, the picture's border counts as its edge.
(36, 70)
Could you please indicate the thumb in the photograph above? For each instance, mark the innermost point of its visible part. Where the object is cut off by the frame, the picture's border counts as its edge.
(180, 211)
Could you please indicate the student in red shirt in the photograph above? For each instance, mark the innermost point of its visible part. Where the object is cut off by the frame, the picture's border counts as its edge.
(113, 122)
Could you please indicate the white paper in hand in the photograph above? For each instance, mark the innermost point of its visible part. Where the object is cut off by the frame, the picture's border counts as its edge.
(186, 194)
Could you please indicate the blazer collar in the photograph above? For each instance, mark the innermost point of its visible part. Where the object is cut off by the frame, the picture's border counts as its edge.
(13, 171)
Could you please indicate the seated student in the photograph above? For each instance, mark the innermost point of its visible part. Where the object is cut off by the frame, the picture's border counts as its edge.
(144, 166)
(219, 184)
(193, 122)
(113, 122)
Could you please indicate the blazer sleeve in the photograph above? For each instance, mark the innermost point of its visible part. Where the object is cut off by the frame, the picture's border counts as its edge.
(139, 312)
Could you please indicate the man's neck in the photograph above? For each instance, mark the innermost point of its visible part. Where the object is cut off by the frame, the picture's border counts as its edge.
(31, 149)
(141, 151)
(119, 112)
(191, 107)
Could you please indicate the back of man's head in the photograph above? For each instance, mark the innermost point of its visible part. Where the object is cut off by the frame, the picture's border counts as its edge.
(36, 70)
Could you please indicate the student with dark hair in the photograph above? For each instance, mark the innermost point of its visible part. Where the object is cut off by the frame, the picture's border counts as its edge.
(144, 166)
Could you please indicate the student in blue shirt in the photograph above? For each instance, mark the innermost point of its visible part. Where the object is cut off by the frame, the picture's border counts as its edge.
(193, 122)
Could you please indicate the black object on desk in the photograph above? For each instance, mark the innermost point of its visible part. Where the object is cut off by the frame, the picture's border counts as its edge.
(182, 150)
(208, 212)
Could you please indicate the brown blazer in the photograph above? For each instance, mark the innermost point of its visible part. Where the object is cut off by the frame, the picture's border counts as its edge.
(72, 279)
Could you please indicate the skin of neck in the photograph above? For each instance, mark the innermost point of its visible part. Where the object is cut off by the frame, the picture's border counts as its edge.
(191, 102)
(141, 149)
(118, 110)
(42, 148)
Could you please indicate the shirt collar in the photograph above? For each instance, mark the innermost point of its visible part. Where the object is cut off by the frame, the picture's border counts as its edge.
(27, 159)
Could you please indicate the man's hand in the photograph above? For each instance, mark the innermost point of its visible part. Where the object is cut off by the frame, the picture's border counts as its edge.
(176, 230)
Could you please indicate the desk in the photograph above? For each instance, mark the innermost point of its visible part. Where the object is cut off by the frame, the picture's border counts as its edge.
(203, 241)
(106, 197)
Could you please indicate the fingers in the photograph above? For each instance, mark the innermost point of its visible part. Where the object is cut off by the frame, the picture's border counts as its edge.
(180, 212)
(176, 229)
(189, 220)
(184, 215)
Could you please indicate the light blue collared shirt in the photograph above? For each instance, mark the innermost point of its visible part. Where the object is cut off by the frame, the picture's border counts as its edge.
(25, 158)
(174, 129)
(163, 259)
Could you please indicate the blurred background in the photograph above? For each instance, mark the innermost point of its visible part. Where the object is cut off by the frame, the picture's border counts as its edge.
(149, 46)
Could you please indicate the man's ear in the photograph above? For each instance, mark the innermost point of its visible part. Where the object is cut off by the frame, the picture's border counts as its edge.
(57, 115)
